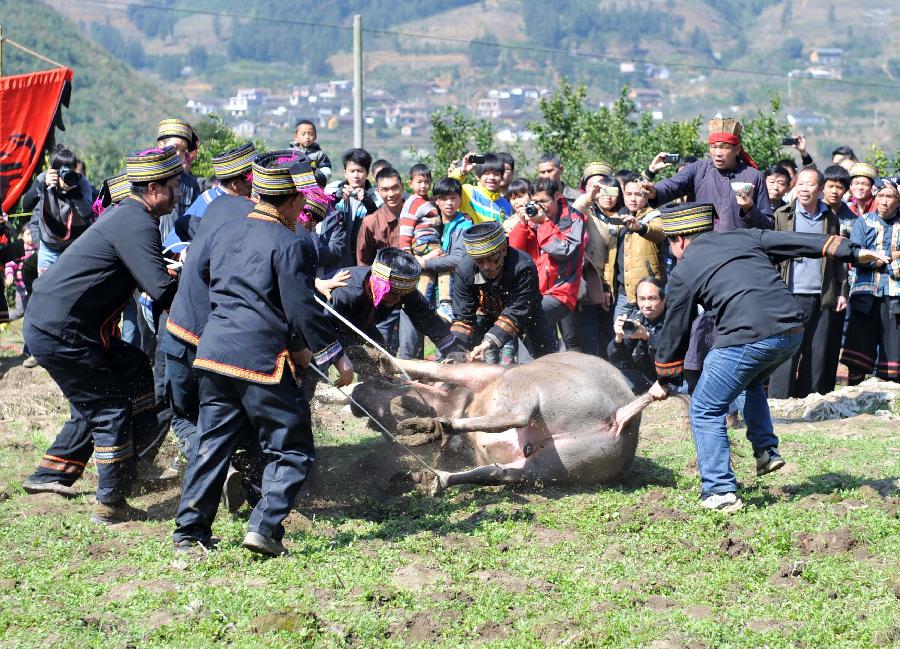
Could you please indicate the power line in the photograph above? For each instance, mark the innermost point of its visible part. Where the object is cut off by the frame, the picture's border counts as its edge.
(505, 46)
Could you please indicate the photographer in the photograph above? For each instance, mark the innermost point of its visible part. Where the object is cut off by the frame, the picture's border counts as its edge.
(633, 351)
(552, 234)
(63, 211)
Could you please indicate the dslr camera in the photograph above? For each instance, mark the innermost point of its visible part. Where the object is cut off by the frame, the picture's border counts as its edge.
(68, 175)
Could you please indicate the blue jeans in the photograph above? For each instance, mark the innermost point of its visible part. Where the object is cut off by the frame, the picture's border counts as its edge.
(46, 258)
(727, 372)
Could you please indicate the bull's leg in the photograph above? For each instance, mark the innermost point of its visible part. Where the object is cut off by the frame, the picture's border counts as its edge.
(493, 423)
(492, 474)
(473, 376)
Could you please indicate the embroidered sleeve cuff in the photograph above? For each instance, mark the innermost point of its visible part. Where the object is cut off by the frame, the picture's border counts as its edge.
(830, 249)
(325, 357)
(446, 343)
(463, 333)
(669, 372)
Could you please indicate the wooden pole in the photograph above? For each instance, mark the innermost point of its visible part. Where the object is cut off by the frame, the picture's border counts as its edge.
(358, 122)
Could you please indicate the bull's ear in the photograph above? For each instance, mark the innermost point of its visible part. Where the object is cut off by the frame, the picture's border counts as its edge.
(455, 357)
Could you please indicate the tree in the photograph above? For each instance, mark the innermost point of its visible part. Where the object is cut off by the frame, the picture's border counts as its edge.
(452, 135)
(215, 138)
(792, 48)
(483, 52)
(762, 135)
(617, 135)
(787, 14)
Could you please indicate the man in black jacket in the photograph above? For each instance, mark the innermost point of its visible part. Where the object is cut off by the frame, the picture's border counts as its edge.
(496, 296)
(71, 328)
(262, 317)
(633, 349)
(759, 326)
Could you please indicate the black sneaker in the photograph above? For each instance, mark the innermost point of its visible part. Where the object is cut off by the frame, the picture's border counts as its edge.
(768, 460)
(256, 542)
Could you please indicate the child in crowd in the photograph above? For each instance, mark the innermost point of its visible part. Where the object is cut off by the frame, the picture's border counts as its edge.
(483, 202)
(420, 231)
(305, 142)
(16, 273)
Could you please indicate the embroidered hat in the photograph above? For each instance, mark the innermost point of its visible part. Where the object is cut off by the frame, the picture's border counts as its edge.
(317, 203)
(484, 239)
(393, 271)
(282, 172)
(153, 165)
(864, 169)
(687, 218)
(595, 169)
(178, 128)
(114, 189)
(234, 162)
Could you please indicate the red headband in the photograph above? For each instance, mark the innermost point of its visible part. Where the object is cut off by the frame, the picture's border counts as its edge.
(730, 138)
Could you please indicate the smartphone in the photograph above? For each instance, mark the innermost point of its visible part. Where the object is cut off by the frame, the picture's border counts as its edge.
(477, 158)
(789, 141)
(672, 158)
(613, 220)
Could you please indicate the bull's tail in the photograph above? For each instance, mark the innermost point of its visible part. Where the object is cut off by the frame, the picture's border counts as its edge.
(630, 410)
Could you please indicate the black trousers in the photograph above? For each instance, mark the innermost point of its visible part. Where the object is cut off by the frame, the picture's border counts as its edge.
(112, 411)
(228, 407)
(814, 367)
(596, 328)
(873, 328)
(183, 389)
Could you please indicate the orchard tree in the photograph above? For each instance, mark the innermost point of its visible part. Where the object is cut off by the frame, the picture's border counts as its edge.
(453, 134)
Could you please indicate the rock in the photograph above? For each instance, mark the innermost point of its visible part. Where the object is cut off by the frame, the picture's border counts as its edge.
(330, 395)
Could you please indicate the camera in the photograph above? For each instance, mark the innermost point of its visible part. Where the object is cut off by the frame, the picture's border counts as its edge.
(672, 158)
(629, 326)
(477, 158)
(531, 209)
(789, 141)
(69, 176)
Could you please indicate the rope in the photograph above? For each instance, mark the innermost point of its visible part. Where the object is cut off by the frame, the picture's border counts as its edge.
(6, 39)
(365, 337)
(390, 435)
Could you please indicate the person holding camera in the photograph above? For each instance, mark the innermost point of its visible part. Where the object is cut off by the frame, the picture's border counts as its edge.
(633, 350)
(64, 209)
(482, 202)
(552, 234)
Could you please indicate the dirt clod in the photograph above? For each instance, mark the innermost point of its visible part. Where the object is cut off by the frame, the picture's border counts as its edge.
(735, 547)
(831, 542)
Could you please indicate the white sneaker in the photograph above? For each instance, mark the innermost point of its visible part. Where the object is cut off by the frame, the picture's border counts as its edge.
(725, 503)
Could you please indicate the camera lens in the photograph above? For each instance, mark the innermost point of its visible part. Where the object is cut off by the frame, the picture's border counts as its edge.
(629, 327)
(531, 209)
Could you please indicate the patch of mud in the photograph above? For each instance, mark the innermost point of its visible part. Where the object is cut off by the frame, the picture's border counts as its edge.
(767, 626)
(788, 573)
(45, 505)
(105, 549)
(106, 622)
(827, 543)
(735, 547)
(423, 627)
(511, 583)
(699, 612)
(121, 592)
(492, 630)
(659, 603)
(292, 620)
(417, 578)
(677, 643)
(546, 536)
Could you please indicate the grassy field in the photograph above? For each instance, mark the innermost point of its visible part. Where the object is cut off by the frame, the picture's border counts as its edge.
(810, 561)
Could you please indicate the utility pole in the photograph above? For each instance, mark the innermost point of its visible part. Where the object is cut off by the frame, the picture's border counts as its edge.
(357, 83)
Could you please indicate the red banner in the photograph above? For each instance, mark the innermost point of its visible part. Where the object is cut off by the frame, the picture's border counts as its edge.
(28, 104)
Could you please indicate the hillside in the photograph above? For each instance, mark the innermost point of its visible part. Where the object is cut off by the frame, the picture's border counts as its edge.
(700, 56)
(111, 104)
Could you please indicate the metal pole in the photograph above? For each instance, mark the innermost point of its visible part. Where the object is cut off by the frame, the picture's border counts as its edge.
(1, 50)
(357, 83)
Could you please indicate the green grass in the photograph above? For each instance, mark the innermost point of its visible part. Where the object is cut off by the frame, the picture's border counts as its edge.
(633, 564)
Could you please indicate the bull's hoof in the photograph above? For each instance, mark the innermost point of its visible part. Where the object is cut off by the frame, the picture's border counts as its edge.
(369, 361)
(418, 426)
(439, 483)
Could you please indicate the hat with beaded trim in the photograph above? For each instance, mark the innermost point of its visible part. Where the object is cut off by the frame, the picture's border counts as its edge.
(687, 218)
(388, 275)
(114, 189)
(273, 173)
(484, 239)
(153, 165)
(317, 203)
(175, 127)
(234, 162)
(865, 170)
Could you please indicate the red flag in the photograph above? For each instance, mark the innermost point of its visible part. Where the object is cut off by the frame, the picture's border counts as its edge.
(28, 104)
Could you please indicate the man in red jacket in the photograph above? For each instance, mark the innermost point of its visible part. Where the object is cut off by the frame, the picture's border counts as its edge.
(554, 235)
